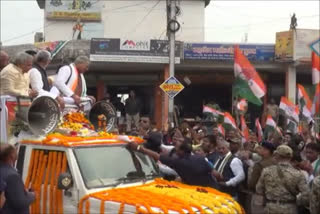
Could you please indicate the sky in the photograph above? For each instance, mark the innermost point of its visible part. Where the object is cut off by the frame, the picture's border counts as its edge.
(225, 21)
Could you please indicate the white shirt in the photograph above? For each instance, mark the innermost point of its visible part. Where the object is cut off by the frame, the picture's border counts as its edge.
(237, 169)
(37, 84)
(61, 78)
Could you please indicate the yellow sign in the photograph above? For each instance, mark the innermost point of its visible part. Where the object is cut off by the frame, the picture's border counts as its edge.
(172, 87)
(74, 16)
(284, 46)
(86, 10)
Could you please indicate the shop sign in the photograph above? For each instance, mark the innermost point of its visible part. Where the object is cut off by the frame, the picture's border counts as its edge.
(86, 10)
(172, 87)
(217, 51)
(128, 50)
(134, 45)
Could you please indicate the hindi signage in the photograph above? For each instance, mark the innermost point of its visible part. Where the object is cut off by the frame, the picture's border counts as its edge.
(172, 87)
(86, 10)
(216, 51)
(128, 50)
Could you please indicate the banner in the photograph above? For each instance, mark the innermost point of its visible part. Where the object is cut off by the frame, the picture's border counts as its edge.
(294, 45)
(214, 51)
(86, 10)
(284, 46)
(128, 50)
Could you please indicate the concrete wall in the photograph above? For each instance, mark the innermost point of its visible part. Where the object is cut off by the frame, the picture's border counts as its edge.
(131, 19)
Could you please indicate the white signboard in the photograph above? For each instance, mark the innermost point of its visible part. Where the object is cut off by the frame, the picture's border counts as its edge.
(302, 40)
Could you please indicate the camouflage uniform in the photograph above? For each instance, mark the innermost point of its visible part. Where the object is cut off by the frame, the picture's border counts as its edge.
(315, 196)
(278, 199)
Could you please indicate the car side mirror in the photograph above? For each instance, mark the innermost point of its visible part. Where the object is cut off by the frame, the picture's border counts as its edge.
(64, 181)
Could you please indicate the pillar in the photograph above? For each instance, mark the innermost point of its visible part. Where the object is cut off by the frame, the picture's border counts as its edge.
(161, 100)
(100, 90)
(291, 83)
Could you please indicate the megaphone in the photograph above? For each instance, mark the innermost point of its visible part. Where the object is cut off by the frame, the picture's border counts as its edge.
(107, 110)
(42, 116)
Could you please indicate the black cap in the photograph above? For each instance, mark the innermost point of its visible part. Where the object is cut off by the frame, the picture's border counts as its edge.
(270, 146)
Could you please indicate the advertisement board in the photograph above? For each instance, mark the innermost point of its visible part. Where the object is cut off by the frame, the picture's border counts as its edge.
(302, 41)
(294, 45)
(216, 51)
(86, 10)
(128, 50)
(284, 46)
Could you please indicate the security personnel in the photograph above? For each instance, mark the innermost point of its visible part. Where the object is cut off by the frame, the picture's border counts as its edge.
(281, 183)
(315, 196)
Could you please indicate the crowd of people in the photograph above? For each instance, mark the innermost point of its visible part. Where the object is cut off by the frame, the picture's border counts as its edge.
(277, 175)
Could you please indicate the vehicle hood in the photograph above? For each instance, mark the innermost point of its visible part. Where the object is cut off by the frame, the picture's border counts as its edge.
(161, 196)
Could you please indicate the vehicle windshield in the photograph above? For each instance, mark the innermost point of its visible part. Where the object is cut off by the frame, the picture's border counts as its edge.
(113, 165)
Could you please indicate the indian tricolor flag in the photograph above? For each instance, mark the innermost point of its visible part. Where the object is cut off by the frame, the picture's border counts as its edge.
(221, 130)
(304, 102)
(270, 127)
(316, 101)
(247, 76)
(242, 105)
(229, 120)
(244, 130)
(289, 109)
(315, 68)
(259, 130)
(208, 109)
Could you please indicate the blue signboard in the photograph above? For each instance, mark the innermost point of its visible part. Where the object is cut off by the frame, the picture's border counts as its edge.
(214, 51)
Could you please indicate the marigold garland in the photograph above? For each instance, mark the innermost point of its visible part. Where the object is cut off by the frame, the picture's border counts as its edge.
(57, 139)
(179, 198)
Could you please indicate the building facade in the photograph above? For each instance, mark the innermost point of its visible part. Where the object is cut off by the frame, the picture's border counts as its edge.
(121, 19)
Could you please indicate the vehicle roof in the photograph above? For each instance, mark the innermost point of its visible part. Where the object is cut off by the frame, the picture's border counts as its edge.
(60, 140)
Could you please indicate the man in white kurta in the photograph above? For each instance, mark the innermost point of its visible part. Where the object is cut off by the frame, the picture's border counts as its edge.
(71, 82)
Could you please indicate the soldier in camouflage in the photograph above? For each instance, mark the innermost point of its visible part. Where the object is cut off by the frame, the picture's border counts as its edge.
(315, 196)
(281, 183)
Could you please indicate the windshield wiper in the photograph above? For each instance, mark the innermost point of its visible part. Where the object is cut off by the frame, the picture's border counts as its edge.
(152, 175)
(131, 176)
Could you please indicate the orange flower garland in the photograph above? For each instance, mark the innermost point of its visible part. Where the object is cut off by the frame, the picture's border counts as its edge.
(46, 166)
(179, 198)
(56, 139)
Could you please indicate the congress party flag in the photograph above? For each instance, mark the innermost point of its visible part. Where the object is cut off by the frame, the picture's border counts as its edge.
(229, 120)
(259, 130)
(244, 130)
(242, 105)
(247, 77)
(305, 102)
(289, 109)
(270, 127)
(315, 68)
(316, 101)
(221, 130)
(208, 109)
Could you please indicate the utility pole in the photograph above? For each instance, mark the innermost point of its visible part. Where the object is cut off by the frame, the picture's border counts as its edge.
(171, 33)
